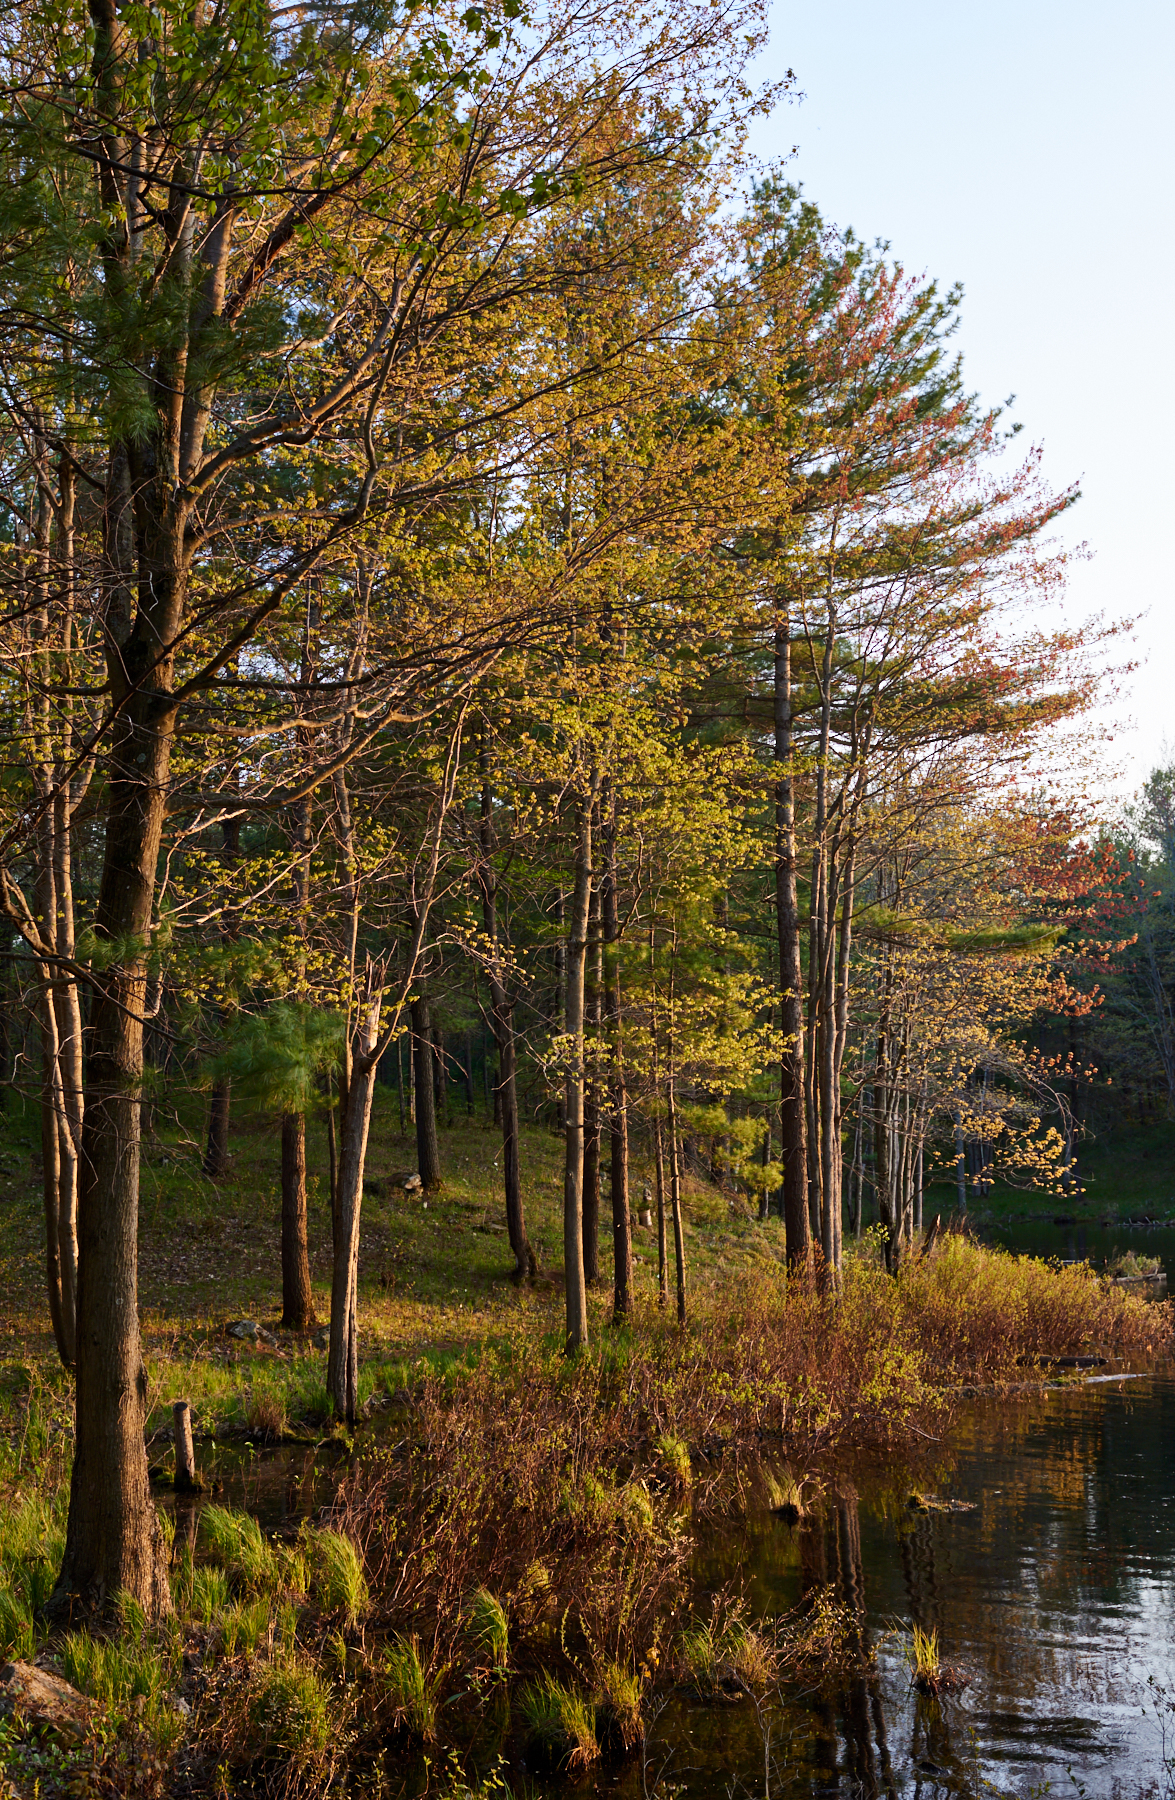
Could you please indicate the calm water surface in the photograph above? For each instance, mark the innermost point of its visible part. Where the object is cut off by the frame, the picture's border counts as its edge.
(1055, 1593)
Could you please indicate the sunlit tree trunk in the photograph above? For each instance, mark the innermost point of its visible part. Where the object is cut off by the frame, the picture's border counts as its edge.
(573, 1089)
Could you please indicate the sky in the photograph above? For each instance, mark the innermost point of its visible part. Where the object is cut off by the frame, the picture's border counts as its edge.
(1028, 151)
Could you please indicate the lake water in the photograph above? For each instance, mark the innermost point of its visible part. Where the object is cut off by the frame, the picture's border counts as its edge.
(1096, 1243)
(1055, 1594)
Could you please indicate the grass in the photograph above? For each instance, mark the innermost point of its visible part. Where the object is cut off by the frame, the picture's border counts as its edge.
(619, 1725)
(409, 1690)
(233, 1542)
(726, 1653)
(292, 1715)
(488, 1629)
(131, 1674)
(785, 1494)
(930, 1675)
(335, 1568)
(559, 1724)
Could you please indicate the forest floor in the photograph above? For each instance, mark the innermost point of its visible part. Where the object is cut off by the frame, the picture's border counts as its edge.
(434, 1273)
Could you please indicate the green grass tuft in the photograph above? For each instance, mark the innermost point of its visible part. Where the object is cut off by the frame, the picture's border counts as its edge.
(488, 1629)
(559, 1723)
(335, 1570)
(618, 1708)
(233, 1542)
(292, 1715)
(409, 1689)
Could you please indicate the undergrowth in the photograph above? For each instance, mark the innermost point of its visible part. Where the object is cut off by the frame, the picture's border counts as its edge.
(529, 1532)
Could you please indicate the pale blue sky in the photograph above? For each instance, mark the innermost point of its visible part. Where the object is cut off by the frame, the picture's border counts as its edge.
(1027, 150)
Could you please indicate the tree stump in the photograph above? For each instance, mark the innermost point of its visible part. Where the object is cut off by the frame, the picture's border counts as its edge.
(186, 1480)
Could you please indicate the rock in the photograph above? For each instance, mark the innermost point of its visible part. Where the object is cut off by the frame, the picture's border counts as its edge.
(36, 1697)
(646, 1218)
(321, 1338)
(250, 1331)
(412, 1184)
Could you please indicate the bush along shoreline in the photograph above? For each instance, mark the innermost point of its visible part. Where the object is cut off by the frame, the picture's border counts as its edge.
(506, 1569)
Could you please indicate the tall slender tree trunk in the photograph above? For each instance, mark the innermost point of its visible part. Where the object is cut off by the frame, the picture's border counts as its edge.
(792, 1119)
(662, 1244)
(502, 1015)
(593, 1002)
(428, 1155)
(297, 1295)
(216, 1140)
(573, 1091)
(618, 1083)
(675, 1198)
(113, 1539)
(342, 1373)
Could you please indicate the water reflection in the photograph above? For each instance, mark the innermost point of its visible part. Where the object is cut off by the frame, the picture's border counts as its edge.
(1054, 1592)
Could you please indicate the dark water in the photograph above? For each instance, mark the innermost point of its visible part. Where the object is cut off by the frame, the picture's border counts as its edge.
(1095, 1243)
(1055, 1594)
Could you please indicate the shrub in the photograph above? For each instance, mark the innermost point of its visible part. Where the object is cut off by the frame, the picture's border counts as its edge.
(488, 1629)
(410, 1690)
(335, 1572)
(673, 1455)
(559, 1724)
(1129, 1262)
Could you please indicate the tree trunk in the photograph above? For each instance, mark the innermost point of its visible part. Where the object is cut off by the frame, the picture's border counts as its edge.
(428, 1155)
(575, 966)
(618, 1086)
(675, 1199)
(297, 1296)
(216, 1150)
(662, 1246)
(792, 1119)
(342, 1373)
(502, 1013)
(113, 1540)
(593, 1000)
